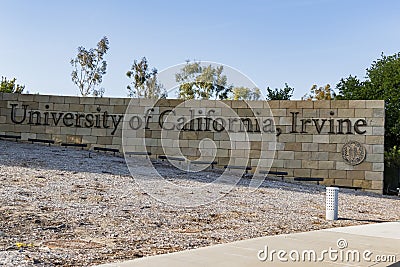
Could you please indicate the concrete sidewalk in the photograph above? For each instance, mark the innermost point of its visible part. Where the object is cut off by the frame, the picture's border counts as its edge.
(342, 246)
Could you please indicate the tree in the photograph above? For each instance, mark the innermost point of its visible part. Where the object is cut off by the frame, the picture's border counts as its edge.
(89, 67)
(280, 94)
(244, 93)
(202, 82)
(351, 88)
(144, 81)
(321, 93)
(9, 86)
(382, 83)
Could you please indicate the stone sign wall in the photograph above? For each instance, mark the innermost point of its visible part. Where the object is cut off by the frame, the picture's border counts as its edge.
(341, 141)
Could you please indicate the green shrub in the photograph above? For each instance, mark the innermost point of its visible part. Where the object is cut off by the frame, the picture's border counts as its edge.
(9, 86)
(392, 157)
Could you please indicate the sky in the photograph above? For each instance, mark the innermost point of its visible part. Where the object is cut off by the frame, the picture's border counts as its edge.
(273, 42)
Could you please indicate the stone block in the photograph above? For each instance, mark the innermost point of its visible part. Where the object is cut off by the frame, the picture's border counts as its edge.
(374, 176)
(241, 162)
(83, 131)
(345, 113)
(377, 158)
(344, 166)
(101, 101)
(71, 100)
(304, 138)
(38, 129)
(365, 166)
(25, 97)
(367, 129)
(242, 145)
(335, 156)
(326, 165)
(378, 130)
(378, 113)
(310, 113)
(302, 172)
(278, 113)
(237, 153)
(287, 138)
(320, 173)
(56, 99)
(319, 156)
(272, 104)
(6, 128)
(117, 101)
(143, 102)
(357, 104)
(360, 175)
(326, 113)
(302, 155)
(338, 139)
(376, 121)
(309, 164)
(378, 149)
(99, 132)
(222, 153)
(255, 145)
(377, 185)
(337, 174)
(41, 98)
(53, 130)
(362, 183)
(375, 104)
(363, 113)
(277, 163)
(292, 164)
(327, 147)
(344, 182)
(325, 104)
(76, 108)
(285, 155)
(287, 104)
(61, 107)
(327, 181)
(10, 97)
(240, 104)
(309, 147)
(340, 104)
(285, 121)
(68, 130)
(255, 104)
(300, 104)
(321, 139)
(293, 146)
(86, 100)
(378, 167)
(22, 128)
(44, 106)
(245, 112)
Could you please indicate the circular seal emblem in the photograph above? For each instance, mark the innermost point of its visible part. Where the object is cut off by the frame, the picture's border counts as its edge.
(353, 152)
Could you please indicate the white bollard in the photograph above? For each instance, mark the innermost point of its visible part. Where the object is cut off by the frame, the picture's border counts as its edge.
(332, 203)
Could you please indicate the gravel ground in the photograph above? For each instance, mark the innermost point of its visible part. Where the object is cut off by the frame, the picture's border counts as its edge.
(72, 207)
